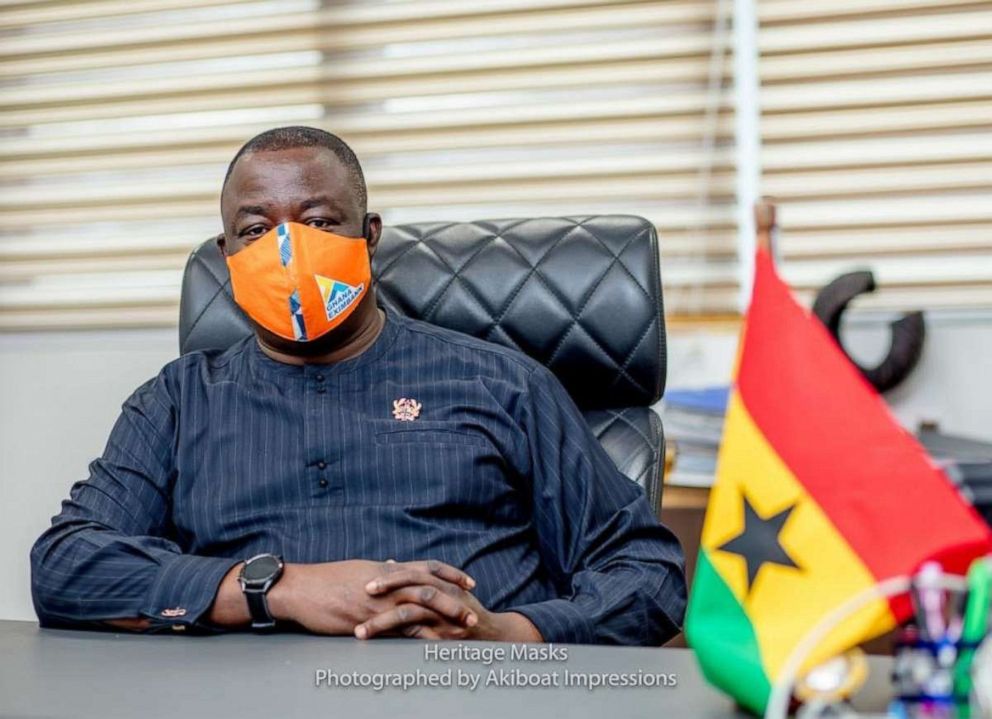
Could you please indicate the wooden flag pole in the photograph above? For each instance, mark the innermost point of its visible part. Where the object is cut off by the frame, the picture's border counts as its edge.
(764, 223)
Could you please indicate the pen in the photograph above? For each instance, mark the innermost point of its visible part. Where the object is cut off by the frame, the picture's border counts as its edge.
(975, 623)
(929, 601)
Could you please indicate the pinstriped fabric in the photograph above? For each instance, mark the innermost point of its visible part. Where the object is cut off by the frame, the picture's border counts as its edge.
(225, 455)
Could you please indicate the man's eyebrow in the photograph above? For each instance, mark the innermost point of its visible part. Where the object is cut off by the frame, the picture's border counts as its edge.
(319, 201)
(249, 210)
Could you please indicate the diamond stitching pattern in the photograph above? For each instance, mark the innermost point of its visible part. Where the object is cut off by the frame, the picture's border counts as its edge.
(639, 277)
(455, 277)
(577, 321)
(634, 443)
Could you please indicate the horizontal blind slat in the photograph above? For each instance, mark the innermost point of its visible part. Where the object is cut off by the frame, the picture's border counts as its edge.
(347, 19)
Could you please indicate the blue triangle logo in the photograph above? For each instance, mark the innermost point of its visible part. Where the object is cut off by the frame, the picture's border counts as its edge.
(338, 296)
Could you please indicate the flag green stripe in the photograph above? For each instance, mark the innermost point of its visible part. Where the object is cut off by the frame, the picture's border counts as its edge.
(724, 641)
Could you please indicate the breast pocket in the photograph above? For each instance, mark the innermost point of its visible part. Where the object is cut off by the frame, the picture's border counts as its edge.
(388, 432)
(438, 465)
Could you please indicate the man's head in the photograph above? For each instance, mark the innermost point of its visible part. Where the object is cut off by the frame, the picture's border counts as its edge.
(302, 175)
(293, 174)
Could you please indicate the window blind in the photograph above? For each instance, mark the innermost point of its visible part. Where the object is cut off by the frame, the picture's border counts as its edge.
(117, 120)
(875, 119)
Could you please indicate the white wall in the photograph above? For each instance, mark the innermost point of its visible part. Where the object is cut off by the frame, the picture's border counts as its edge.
(61, 394)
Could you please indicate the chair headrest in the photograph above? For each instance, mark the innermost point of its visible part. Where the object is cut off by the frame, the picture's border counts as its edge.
(580, 294)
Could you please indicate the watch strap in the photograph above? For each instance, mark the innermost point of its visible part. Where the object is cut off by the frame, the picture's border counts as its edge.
(258, 607)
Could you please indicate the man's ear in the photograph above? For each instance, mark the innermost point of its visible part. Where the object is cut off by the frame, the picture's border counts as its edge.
(221, 241)
(372, 230)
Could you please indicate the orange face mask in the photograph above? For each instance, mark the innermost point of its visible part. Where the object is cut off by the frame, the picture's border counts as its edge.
(299, 282)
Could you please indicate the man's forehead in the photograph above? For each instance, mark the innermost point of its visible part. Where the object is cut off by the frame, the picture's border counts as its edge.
(261, 171)
(286, 178)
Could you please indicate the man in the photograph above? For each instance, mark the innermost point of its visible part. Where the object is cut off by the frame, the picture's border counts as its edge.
(382, 476)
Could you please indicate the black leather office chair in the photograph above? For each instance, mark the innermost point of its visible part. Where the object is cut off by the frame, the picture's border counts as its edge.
(580, 294)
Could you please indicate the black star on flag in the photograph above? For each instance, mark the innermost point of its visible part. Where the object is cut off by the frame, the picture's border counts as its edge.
(758, 544)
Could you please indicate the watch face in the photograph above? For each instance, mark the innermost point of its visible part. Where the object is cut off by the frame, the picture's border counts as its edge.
(260, 569)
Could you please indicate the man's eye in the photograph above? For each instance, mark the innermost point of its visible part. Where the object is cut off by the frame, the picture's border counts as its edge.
(321, 224)
(253, 231)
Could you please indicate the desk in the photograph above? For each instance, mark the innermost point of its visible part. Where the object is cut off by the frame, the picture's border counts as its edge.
(56, 673)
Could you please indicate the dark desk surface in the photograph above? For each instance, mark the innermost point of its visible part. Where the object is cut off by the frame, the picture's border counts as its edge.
(52, 673)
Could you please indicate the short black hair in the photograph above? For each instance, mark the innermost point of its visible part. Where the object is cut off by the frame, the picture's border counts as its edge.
(293, 136)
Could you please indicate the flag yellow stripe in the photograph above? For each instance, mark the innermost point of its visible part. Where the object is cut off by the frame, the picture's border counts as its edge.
(784, 603)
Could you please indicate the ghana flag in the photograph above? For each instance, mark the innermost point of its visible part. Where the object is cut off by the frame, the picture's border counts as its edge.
(819, 495)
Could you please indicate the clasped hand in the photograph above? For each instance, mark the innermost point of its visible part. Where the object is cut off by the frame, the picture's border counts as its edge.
(426, 600)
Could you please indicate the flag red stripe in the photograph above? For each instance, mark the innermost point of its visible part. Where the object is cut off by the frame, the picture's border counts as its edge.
(872, 478)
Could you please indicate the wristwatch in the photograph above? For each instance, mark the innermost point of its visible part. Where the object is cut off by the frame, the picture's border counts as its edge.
(257, 577)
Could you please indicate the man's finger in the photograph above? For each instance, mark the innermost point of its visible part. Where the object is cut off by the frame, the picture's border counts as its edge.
(395, 618)
(409, 577)
(454, 608)
(449, 573)
(422, 631)
(408, 573)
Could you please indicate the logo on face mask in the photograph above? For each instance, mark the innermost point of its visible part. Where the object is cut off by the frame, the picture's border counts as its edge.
(337, 296)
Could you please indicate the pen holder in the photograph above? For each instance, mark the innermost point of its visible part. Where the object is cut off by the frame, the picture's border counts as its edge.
(926, 675)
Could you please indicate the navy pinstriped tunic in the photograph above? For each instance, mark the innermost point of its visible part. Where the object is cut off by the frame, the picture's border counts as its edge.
(228, 454)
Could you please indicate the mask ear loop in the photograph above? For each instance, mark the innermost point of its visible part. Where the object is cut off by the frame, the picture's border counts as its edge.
(366, 229)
